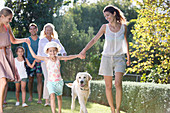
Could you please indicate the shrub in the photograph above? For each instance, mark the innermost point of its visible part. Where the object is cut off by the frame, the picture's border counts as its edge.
(137, 97)
(150, 46)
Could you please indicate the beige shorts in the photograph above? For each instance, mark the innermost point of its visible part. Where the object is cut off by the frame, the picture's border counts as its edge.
(112, 63)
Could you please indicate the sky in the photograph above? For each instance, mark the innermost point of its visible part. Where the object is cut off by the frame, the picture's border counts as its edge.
(1, 3)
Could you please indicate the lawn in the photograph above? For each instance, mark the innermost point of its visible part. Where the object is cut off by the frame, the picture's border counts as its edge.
(39, 108)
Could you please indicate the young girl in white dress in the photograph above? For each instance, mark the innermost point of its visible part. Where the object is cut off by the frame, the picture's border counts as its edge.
(20, 62)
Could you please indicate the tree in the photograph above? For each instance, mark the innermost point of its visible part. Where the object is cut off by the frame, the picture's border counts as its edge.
(28, 11)
(151, 42)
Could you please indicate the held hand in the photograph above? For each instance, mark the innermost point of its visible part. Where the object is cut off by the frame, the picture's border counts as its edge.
(82, 55)
(36, 60)
(16, 77)
(27, 40)
(79, 56)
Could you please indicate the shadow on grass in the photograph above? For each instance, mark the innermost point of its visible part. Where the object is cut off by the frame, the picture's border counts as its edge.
(33, 107)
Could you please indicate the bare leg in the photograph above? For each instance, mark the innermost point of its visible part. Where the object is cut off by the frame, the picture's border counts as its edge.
(17, 86)
(39, 87)
(23, 89)
(118, 85)
(30, 87)
(2, 90)
(59, 98)
(53, 106)
(108, 85)
(5, 94)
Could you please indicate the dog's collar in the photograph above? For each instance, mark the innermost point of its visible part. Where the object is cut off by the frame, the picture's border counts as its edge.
(84, 89)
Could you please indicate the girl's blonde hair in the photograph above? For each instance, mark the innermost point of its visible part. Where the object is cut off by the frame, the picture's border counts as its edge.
(54, 34)
(119, 14)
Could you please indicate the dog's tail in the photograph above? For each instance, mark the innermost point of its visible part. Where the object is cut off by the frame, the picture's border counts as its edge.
(70, 85)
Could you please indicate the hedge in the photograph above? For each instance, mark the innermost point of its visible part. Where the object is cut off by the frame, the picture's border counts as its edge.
(137, 97)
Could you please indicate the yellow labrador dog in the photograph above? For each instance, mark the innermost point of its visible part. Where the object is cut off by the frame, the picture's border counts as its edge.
(81, 89)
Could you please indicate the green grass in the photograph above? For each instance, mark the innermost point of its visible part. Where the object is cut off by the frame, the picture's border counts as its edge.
(39, 108)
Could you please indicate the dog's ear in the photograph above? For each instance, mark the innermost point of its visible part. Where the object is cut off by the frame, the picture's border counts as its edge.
(89, 77)
(77, 80)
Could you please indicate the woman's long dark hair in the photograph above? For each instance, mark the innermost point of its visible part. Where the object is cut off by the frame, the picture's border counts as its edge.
(119, 14)
(20, 47)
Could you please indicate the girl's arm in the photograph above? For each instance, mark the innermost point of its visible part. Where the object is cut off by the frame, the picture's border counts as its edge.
(128, 56)
(14, 40)
(68, 57)
(34, 55)
(94, 40)
(29, 64)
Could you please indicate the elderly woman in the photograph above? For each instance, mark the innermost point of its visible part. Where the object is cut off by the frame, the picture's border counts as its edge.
(48, 34)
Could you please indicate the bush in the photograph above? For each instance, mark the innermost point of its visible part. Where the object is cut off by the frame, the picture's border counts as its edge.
(137, 97)
(150, 47)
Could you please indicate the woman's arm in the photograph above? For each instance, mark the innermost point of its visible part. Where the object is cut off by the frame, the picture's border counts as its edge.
(128, 56)
(70, 57)
(94, 40)
(62, 51)
(34, 55)
(29, 64)
(14, 40)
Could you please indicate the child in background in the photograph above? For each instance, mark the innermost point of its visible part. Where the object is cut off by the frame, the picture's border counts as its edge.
(55, 81)
(20, 63)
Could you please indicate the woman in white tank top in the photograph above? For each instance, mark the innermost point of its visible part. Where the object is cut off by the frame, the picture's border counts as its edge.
(113, 55)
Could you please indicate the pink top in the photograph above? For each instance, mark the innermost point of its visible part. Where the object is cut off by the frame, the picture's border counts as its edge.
(53, 69)
(5, 39)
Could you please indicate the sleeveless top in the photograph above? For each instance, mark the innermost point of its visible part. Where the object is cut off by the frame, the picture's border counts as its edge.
(115, 43)
(53, 69)
(21, 68)
(5, 39)
(34, 46)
